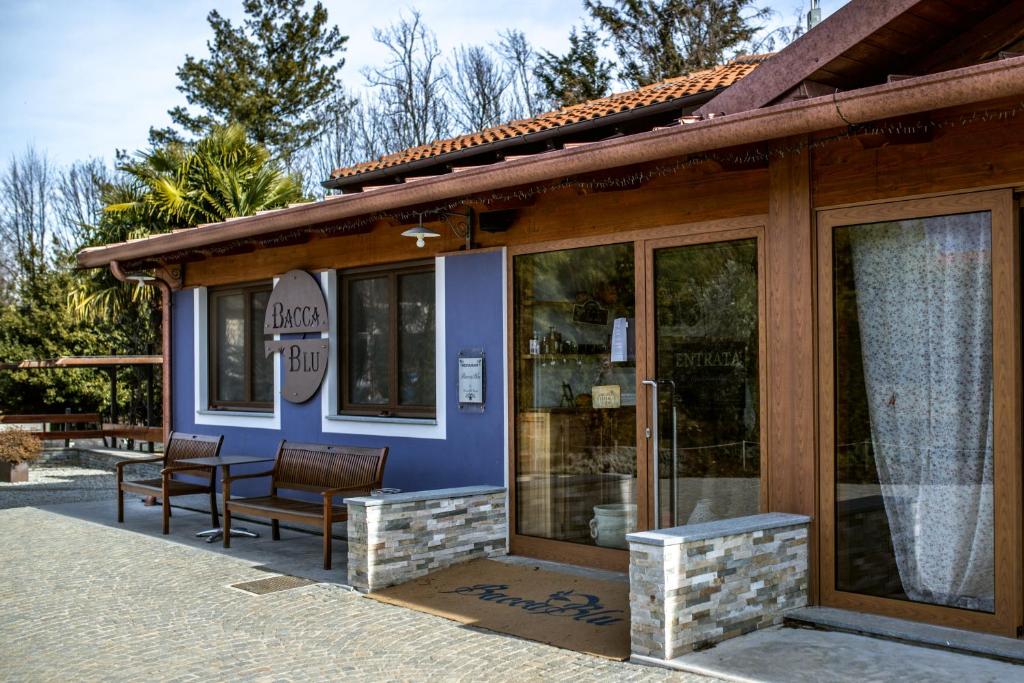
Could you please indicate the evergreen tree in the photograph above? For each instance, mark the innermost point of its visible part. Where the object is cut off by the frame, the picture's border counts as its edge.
(269, 75)
(659, 39)
(578, 75)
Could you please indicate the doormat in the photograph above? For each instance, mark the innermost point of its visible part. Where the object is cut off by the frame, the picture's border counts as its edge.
(272, 585)
(560, 609)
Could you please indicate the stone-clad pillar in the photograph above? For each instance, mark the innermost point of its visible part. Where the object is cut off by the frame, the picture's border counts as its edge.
(396, 538)
(695, 585)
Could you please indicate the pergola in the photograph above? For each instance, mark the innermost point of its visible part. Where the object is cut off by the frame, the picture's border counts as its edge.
(108, 363)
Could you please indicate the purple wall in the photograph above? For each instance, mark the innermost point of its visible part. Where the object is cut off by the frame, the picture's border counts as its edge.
(472, 453)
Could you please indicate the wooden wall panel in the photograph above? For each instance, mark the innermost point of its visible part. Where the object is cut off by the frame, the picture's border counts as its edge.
(791, 386)
(699, 193)
(985, 152)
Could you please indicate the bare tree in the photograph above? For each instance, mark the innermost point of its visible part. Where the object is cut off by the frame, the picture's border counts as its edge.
(372, 135)
(478, 85)
(410, 88)
(78, 201)
(520, 60)
(26, 203)
(783, 35)
(352, 130)
(335, 144)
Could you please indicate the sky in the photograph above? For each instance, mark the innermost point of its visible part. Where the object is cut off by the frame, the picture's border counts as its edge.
(79, 79)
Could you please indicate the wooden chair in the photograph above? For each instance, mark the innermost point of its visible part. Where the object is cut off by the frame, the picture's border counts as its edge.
(327, 471)
(178, 447)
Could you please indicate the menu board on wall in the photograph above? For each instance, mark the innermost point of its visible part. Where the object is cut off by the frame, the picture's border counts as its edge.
(471, 380)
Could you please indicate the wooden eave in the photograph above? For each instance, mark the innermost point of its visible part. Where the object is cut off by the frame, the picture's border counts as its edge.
(865, 41)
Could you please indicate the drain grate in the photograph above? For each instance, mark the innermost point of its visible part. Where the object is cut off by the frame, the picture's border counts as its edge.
(272, 585)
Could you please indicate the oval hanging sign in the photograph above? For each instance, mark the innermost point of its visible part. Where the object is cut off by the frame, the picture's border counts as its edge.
(305, 362)
(297, 306)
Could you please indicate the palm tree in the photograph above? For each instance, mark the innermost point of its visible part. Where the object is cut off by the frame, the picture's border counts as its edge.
(179, 185)
(221, 176)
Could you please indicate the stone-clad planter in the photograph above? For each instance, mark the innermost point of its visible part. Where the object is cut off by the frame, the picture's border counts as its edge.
(695, 585)
(396, 538)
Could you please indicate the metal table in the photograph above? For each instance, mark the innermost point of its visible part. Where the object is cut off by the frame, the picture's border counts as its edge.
(225, 462)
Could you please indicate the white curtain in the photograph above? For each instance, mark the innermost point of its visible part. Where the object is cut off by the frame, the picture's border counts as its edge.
(923, 290)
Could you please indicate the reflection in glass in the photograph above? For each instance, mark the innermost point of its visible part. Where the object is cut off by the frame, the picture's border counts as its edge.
(575, 395)
(913, 374)
(261, 365)
(369, 340)
(416, 384)
(706, 344)
(230, 321)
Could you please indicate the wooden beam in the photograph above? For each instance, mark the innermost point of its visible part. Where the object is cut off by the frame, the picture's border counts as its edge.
(82, 362)
(790, 424)
(998, 30)
(52, 418)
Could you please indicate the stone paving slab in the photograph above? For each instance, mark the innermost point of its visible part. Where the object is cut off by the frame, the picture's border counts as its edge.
(85, 602)
(297, 553)
(799, 655)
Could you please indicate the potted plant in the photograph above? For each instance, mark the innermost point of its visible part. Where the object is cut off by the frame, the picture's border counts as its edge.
(17, 449)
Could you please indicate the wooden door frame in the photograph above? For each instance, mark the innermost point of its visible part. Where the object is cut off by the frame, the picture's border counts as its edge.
(1006, 350)
(756, 233)
(704, 231)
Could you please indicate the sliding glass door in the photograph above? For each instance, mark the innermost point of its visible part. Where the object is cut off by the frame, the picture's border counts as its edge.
(918, 307)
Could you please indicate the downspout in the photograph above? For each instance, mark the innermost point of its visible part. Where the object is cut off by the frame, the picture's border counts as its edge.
(165, 344)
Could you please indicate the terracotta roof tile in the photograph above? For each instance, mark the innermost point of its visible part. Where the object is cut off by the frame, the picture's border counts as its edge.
(663, 91)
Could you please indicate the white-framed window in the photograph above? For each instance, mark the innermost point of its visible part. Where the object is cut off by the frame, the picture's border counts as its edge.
(377, 409)
(225, 341)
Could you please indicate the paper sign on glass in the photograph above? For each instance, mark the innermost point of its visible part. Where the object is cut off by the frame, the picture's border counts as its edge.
(620, 340)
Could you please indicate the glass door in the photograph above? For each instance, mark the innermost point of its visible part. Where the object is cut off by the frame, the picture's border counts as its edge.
(575, 405)
(920, 425)
(704, 383)
(637, 381)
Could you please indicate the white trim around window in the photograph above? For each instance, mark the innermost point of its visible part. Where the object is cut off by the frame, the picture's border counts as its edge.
(201, 377)
(414, 428)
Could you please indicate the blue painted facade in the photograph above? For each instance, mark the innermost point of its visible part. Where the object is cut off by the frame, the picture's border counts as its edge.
(473, 450)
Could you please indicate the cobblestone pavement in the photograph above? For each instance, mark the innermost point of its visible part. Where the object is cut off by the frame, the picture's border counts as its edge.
(79, 601)
(49, 484)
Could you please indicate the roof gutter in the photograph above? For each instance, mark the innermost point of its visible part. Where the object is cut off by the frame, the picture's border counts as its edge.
(978, 83)
(679, 104)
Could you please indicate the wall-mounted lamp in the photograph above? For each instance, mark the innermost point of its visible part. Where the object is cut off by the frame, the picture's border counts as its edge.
(420, 233)
(461, 226)
(139, 278)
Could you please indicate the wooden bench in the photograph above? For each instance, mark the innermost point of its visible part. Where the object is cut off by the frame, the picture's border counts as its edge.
(327, 471)
(179, 447)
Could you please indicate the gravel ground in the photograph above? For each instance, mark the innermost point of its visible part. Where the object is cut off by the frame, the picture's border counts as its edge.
(50, 484)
